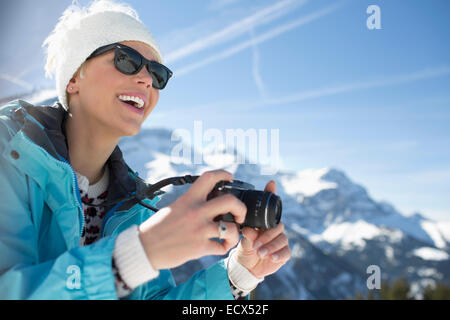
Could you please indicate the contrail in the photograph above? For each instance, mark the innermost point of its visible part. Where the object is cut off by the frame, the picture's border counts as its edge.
(255, 69)
(424, 74)
(261, 38)
(236, 29)
(17, 81)
(395, 80)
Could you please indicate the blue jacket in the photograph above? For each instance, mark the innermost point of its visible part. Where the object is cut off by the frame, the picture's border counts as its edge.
(41, 219)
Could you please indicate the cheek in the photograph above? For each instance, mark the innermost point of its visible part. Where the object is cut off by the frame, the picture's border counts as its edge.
(98, 89)
(155, 97)
(153, 100)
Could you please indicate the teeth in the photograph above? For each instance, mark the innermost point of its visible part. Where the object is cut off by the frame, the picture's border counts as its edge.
(139, 101)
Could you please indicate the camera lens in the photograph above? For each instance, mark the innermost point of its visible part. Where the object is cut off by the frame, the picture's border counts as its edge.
(275, 206)
(263, 209)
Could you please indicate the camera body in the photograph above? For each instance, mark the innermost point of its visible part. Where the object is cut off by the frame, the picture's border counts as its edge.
(263, 208)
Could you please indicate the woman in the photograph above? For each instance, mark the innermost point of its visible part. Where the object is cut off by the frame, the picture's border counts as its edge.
(59, 164)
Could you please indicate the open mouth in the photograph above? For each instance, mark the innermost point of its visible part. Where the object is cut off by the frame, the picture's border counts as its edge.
(136, 101)
(133, 106)
(132, 103)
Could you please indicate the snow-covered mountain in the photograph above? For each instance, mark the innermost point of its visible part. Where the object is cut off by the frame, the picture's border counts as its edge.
(335, 229)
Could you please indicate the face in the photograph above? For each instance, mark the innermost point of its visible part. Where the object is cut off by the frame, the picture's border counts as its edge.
(95, 97)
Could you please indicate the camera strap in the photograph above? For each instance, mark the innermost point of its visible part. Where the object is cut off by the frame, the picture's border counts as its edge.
(149, 191)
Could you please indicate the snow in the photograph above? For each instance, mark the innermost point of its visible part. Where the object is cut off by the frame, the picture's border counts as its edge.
(395, 236)
(306, 182)
(389, 251)
(428, 253)
(299, 229)
(348, 233)
(297, 251)
(444, 228)
(429, 272)
(159, 168)
(38, 97)
(438, 231)
(395, 220)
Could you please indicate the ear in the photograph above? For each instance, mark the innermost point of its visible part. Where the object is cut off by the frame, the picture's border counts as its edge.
(72, 86)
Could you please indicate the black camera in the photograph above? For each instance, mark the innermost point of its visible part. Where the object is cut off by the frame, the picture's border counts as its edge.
(263, 208)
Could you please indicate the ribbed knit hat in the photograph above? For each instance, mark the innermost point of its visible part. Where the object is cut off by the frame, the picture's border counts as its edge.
(80, 31)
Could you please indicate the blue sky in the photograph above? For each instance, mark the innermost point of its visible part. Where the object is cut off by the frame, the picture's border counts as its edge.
(373, 103)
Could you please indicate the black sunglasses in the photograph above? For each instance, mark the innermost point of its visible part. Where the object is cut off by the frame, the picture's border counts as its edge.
(129, 61)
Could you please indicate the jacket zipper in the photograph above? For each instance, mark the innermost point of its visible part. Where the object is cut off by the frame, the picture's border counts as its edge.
(76, 191)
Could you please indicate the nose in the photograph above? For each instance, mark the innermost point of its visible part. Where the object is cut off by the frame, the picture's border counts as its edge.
(144, 77)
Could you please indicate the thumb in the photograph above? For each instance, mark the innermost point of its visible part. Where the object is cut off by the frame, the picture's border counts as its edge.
(249, 237)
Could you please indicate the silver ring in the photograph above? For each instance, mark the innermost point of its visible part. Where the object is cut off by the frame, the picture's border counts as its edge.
(222, 229)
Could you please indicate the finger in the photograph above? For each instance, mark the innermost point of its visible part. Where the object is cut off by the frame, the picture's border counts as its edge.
(222, 205)
(271, 186)
(250, 235)
(215, 248)
(213, 229)
(231, 236)
(282, 255)
(267, 235)
(205, 183)
(273, 246)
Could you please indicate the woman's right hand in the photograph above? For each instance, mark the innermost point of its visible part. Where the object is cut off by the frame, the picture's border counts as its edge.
(182, 231)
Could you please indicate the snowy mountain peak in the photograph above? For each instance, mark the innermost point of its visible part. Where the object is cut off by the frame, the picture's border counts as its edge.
(334, 175)
(417, 216)
(306, 182)
(345, 185)
(310, 182)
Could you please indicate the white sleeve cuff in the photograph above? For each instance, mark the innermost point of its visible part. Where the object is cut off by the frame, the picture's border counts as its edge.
(239, 276)
(131, 260)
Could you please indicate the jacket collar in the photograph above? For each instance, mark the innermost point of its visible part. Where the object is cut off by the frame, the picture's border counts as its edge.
(52, 120)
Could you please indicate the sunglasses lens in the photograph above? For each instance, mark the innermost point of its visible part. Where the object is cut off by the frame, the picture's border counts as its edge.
(127, 61)
(159, 75)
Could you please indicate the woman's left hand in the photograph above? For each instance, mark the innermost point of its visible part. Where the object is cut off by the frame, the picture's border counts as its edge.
(263, 252)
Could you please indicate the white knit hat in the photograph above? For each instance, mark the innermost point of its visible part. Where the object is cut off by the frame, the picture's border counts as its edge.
(80, 31)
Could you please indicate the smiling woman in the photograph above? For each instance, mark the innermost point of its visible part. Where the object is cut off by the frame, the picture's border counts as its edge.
(95, 105)
(70, 226)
